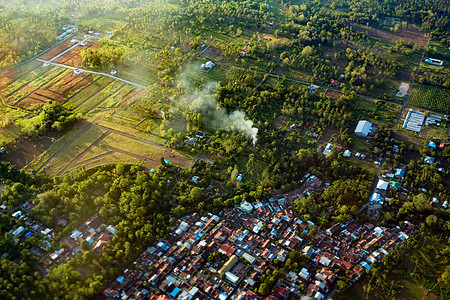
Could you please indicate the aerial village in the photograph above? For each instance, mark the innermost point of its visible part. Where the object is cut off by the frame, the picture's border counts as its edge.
(223, 256)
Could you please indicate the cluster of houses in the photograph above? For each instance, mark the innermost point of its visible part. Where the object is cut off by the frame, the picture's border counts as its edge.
(353, 248)
(90, 231)
(66, 30)
(390, 181)
(25, 227)
(328, 149)
(432, 146)
(218, 256)
(223, 256)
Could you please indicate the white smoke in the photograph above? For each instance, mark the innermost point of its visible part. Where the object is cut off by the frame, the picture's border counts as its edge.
(215, 116)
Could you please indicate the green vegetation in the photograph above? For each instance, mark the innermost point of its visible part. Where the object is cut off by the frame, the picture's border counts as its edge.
(259, 115)
(435, 98)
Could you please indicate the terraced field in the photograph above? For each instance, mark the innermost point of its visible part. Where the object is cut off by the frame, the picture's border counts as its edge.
(111, 131)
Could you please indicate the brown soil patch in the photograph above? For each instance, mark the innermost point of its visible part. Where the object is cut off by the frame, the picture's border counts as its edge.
(55, 51)
(333, 94)
(55, 90)
(406, 34)
(281, 121)
(73, 57)
(24, 151)
(212, 53)
(406, 76)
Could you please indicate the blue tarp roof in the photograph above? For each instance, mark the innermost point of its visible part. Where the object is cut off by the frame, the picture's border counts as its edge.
(400, 172)
(28, 234)
(432, 144)
(164, 246)
(175, 291)
(152, 170)
(366, 265)
(120, 279)
(166, 161)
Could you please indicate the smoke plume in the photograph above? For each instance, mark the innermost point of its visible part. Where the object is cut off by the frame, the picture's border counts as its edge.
(213, 115)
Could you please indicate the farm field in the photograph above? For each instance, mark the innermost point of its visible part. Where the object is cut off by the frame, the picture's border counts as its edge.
(76, 148)
(433, 98)
(405, 34)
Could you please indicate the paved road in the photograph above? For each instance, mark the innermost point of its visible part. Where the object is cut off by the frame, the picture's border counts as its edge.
(94, 72)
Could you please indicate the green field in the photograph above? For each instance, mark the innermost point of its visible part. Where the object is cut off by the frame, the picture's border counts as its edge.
(132, 146)
(75, 148)
(434, 98)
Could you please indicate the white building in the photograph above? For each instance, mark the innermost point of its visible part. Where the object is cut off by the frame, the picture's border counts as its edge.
(382, 185)
(414, 120)
(328, 149)
(363, 129)
(247, 207)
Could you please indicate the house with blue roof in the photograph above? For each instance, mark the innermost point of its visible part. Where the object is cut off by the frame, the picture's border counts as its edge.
(366, 265)
(175, 292)
(400, 173)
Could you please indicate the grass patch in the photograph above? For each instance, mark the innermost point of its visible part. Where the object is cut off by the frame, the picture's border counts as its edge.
(360, 144)
(87, 92)
(68, 135)
(92, 153)
(99, 97)
(77, 146)
(132, 146)
(10, 133)
(117, 98)
(115, 158)
(125, 129)
(124, 117)
(377, 112)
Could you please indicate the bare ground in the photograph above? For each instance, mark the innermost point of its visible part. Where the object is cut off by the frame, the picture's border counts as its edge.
(406, 34)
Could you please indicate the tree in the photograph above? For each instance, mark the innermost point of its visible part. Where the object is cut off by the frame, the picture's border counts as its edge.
(431, 220)
(341, 285)
(196, 193)
(84, 245)
(264, 289)
(420, 201)
(88, 256)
